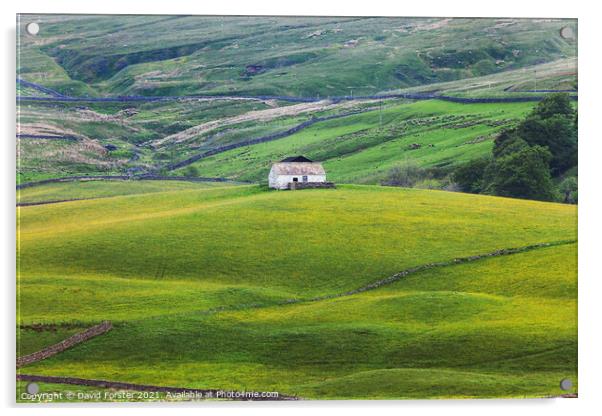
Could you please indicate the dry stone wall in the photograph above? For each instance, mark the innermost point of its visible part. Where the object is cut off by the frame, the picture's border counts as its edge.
(65, 344)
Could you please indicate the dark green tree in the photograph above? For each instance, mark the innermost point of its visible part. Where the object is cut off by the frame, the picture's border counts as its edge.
(554, 105)
(558, 134)
(552, 124)
(469, 176)
(508, 142)
(523, 174)
(525, 158)
(568, 190)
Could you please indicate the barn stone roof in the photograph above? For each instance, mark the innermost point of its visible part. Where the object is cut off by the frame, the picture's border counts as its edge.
(298, 168)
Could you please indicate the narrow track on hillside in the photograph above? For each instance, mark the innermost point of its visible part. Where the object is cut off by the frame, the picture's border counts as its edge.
(570, 91)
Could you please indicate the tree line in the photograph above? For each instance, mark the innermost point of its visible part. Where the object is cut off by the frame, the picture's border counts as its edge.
(535, 160)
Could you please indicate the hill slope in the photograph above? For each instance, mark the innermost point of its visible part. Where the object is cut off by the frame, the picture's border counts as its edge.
(301, 56)
(197, 283)
(242, 59)
(362, 148)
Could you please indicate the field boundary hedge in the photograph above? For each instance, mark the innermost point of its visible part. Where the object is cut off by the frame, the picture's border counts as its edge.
(78, 338)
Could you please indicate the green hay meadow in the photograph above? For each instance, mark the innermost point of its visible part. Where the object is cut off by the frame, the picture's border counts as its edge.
(103, 189)
(196, 283)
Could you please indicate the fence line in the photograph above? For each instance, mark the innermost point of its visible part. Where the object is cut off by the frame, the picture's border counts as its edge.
(39, 87)
(78, 338)
(264, 139)
(46, 137)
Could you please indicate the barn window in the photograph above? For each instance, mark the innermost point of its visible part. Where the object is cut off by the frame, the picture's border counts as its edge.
(295, 179)
(304, 178)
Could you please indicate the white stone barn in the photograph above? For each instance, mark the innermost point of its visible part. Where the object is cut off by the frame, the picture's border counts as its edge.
(296, 170)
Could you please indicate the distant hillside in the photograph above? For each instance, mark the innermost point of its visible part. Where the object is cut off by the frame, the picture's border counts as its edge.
(362, 148)
(174, 55)
(360, 140)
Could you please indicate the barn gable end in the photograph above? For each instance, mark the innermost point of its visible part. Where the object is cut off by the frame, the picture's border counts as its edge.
(296, 170)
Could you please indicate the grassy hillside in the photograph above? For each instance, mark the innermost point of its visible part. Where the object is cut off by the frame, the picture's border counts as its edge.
(361, 291)
(176, 55)
(134, 137)
(104, 189)
(311, 57)
(110, 138)
(523, 82)
(362, 148)
(88, 238)
(195, 281)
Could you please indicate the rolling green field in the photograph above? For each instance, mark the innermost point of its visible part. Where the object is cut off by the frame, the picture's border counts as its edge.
(103, 189)
(216, 288)
(358, 292)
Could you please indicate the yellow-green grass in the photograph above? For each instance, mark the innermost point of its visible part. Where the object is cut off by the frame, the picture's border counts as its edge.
(101, 189)
(549, 274)
(194, 281)
(304, 244)
(388, 343)
(30, 340)
(92, 299)
(363, 147)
